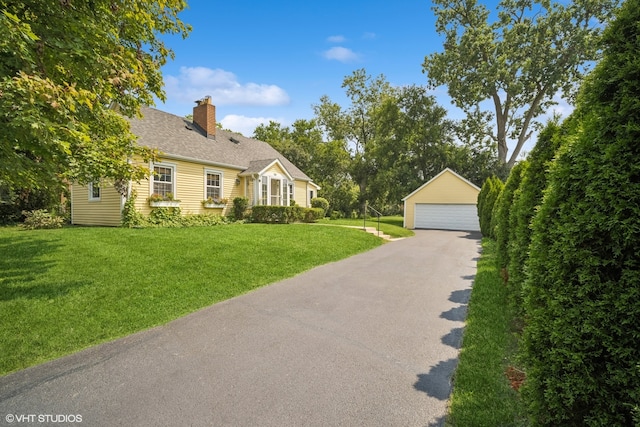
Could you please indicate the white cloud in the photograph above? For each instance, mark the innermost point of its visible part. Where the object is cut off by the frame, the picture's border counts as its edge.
(341, 54)
(194, 83)
(369, 36)
(563, 108)
(336, 39)
(246, 125)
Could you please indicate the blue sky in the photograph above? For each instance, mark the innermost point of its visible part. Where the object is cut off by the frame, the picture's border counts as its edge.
(264, 61)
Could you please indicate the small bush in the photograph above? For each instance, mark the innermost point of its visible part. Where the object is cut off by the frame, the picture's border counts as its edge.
(336, 215)
(165, 217)
(203, 220)
(41, 219)
(131, 217)
(322, 203)
(312, 214)
(240, 205)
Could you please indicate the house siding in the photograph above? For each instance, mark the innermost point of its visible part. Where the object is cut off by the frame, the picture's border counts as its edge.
(190, 187)
(106, 211)
(445, 189)
(301, 194)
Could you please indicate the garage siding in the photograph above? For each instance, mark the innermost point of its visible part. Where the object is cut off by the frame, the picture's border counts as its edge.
(446, 217)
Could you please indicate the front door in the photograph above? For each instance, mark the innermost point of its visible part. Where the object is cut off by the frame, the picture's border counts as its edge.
(276, 192)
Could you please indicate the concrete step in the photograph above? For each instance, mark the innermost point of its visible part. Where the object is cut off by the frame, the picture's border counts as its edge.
(374, 231)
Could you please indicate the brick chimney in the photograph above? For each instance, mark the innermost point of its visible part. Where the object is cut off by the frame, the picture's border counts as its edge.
(204, 115)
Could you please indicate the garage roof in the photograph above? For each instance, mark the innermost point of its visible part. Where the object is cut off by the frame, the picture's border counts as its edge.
(446, 170)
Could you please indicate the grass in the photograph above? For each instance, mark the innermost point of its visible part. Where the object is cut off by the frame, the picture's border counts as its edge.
(68, 289)
(391, 225)
(482, 394)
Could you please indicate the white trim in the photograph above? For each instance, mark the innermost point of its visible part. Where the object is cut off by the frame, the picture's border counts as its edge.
(214, 171)
(291, 195)
(165, 204)
(174, 176)
(92, 198)
(73, 204)
(264, 170)
(203, 162)
(438, 176)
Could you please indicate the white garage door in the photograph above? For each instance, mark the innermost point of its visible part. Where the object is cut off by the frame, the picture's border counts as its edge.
(447, 217)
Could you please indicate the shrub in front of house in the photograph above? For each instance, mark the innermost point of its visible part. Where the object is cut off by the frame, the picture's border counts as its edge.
(276, 214)
(322, 203)
(240, 205)
(165, 217)
(203, 220)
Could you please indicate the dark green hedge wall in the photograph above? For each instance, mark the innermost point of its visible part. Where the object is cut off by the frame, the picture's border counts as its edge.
(582, 338)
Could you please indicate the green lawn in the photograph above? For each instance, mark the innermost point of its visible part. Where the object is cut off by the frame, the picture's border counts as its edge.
(482, 395)
(67, 289)
(391, 225)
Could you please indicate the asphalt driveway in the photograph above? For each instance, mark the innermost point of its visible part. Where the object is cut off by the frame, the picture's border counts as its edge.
(371, 340)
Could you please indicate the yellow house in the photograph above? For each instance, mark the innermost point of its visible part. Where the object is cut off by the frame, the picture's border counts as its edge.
(446, 202)
(200, 167)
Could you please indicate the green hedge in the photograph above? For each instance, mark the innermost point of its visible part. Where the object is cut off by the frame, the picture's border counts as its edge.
(501, 210)
(486, 200)
(285, 214)
(582, 338)
(526, 200)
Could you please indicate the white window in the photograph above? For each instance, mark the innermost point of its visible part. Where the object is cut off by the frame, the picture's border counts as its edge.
(94, 191)
(164, 180)
(213, 185)
(291, 192)
(264, 193)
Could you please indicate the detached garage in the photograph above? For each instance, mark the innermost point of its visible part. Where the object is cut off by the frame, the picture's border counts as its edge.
(446, 202)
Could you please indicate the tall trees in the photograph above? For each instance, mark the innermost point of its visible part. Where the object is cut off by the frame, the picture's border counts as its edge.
(356, 125)
(398, 138)
(326, 162)
(517, 60)
(63, 66)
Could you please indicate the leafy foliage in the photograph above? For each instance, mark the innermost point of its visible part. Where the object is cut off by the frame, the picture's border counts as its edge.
(397, 139)
(165, 217)
(502, 210)
(131, 217)
(285, 214)
(322, 203)
(64, 67)
(240, 205)
(526, 199)
(531, 50)
(41, 219)
(582, 339)
(486, 200)
(14, 202)
(312, 214)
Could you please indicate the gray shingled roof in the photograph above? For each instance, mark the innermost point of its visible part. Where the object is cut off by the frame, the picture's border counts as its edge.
(175, 136)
